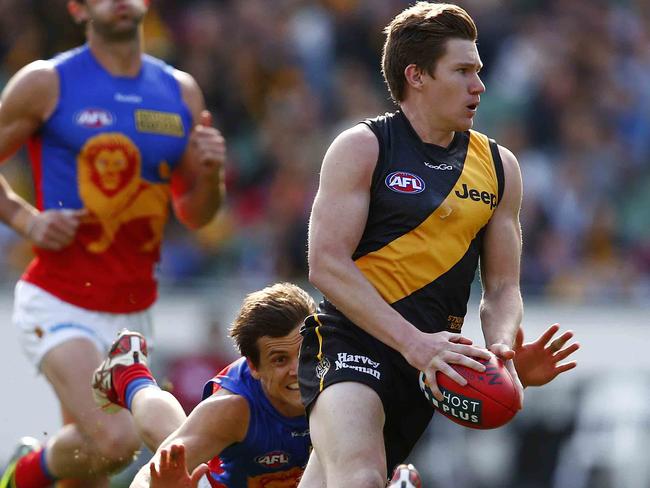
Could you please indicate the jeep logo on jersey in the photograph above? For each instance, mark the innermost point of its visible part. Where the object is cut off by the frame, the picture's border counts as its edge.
(94, 118)
(403, 182)
(273, 459)
(477, 196)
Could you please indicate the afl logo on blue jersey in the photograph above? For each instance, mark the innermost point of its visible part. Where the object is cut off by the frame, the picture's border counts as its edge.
(403, 182)
(273, 459)
(94, 118)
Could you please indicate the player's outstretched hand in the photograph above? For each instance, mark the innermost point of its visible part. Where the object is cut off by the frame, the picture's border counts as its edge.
(437, 352)
(172, 470)
(54, 229)
(538, 362)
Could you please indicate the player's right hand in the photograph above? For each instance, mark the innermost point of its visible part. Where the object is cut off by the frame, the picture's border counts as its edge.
(171, 471)
(539, 362)
(55, 229)
(437, 352)
(207, 146)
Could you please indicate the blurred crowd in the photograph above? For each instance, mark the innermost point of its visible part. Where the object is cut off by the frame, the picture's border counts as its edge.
(567, 92)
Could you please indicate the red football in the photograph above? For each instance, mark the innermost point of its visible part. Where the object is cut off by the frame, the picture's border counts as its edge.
(488, 400)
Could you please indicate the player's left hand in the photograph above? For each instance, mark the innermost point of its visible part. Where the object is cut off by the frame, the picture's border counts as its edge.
(506, 354)
(172, 470)
(538, 362)
(207, 147)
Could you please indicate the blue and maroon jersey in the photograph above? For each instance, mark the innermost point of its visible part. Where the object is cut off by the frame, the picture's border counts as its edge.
(110, 147)
(276, 448)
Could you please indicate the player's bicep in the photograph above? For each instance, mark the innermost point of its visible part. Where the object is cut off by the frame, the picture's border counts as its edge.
(501, 253)
(213, 425)
(27, 101)
(340, 208)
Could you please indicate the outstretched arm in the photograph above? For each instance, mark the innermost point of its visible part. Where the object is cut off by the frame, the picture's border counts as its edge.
(213, 425)
(538, 362)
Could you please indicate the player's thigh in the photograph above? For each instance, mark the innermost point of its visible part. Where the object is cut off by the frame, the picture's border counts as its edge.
(314, 476)
(346, 427)
(69, 368)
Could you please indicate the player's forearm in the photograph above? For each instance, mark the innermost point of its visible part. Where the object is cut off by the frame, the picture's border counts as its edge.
(348, 289)
(501, 313)
(197, 205)
(14, 211)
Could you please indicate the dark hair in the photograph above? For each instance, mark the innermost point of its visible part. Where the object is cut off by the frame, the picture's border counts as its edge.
(274, 312)
(418, 35)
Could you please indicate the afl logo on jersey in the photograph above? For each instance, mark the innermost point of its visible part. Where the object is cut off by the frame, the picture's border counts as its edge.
(94, 118)
(273, 459)
(403, 182)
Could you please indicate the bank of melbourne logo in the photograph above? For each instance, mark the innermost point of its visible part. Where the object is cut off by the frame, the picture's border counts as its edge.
(94, 118)
(403, 182)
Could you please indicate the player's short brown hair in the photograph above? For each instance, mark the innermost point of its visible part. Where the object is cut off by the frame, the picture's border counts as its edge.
(418, 35)
(274, 312)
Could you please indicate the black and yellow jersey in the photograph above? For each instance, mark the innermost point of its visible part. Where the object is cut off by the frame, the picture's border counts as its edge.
(428, 210)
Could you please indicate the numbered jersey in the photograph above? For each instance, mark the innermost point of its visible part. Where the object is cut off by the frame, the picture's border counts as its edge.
(429, 207)
(109, 147)
(276, 448)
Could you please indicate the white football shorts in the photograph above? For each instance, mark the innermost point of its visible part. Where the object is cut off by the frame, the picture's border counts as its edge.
(45, 321)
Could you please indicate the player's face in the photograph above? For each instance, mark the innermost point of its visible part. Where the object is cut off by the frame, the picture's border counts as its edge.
(454, 91)
(116, 19)
(277, 371)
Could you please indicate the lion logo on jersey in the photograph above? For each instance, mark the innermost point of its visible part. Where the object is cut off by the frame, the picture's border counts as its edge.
(110, 187)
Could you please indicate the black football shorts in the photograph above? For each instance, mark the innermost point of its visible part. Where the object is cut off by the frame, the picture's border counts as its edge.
(335, 350)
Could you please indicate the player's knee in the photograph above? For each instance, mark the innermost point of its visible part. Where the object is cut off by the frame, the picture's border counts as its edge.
(118, 454)
(364, 478)
(116, 447)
